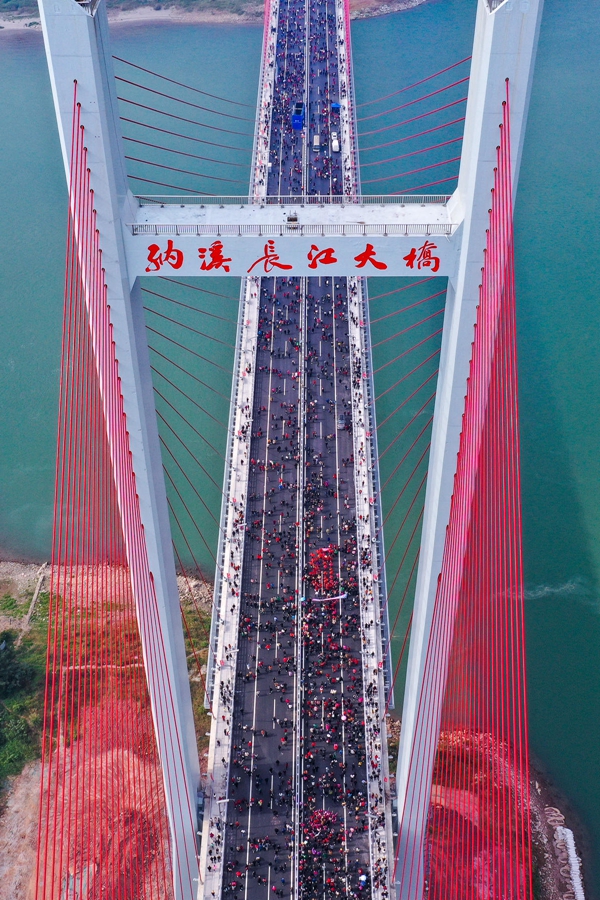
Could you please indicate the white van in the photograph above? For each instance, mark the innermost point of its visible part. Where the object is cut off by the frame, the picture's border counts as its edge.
(316, 141)
(335, 144)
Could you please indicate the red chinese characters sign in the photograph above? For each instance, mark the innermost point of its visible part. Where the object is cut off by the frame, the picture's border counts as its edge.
(369, 256)
(423, 258)
(318, 257)
(170, 256)
(216, 259)
(269, 260)
(241, 256)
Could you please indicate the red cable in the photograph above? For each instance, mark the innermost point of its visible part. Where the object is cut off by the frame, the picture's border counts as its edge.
(186, 137)
(438, 312)
(186, 448)
(410, 137)
(195, 430)
(400, 656)
(424, 115)
(176, 187)
(195, 403)
(180, 100)
(405, 485)
(416, 527)
(406, 352)
(390, 159)
(204, 582)
(441, 90)
(416, 83)
(162, 112)
(209, 337)
(484, 534)
(183, 347)
(190, 482)
(185, 372)
(420, 187)
(436, 165)
(192, 287)
(399, 290)
(401, 432)
(404, 402)
(181, 84)
(160, 165)
(197, 309)
(188, 511)
(408, 374)
(221, 162)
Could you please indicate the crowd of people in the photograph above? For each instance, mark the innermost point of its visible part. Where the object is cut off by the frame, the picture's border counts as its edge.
(337, 771)
(330, 811)
(304, 797)
(261, 783)
(286, 174)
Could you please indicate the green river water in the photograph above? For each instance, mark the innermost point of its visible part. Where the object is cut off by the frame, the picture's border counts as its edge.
(558, 263)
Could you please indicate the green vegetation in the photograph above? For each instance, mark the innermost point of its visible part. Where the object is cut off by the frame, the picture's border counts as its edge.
(22, 692)
(22, 679)
(10, 606)
(393, 738)
(197, 630)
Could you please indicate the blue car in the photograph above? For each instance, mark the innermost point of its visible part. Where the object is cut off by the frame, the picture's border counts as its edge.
(298, 114)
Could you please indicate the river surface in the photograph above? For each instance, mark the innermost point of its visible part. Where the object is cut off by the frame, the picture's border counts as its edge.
(558, 263)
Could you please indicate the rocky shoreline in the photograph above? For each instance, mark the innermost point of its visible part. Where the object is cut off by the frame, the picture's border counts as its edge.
(558, 864)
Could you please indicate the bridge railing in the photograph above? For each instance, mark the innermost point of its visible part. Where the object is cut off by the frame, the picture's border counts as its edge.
(293, 200)
(215, 624)
(380, 567)
(371, 585)
(283, 230)
(220, 559)
(352, 124)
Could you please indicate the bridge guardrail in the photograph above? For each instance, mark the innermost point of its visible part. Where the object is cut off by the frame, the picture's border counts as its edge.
(370, 589)
(380, 565)
(352, 128)
(292, 200)
(297, 230)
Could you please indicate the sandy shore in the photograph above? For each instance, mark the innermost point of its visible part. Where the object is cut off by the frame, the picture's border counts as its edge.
(360, 9)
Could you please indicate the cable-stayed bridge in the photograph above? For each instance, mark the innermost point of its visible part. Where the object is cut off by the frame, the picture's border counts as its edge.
(300, 798)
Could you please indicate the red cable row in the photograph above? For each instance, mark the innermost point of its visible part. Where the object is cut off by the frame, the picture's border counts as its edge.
(472, 704)
(103, 825)
(416, 83)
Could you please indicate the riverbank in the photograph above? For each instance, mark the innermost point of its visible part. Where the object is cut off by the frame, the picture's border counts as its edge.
(556, 876)
(23, 631)
(250, 15)
(21, 583)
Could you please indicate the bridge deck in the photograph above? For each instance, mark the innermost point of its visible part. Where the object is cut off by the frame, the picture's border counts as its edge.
(299, 804)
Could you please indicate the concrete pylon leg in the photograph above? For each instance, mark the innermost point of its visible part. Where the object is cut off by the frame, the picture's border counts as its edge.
(504, 48)
(77, 48)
